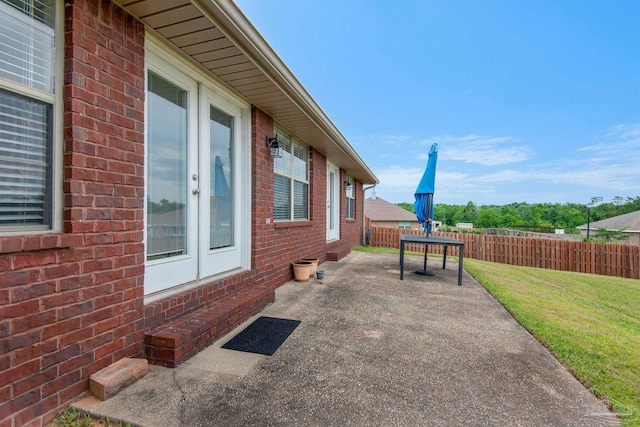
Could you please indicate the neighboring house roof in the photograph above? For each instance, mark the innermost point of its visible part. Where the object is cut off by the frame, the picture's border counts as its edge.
(380, 210)
(217, 36)
(629, 222)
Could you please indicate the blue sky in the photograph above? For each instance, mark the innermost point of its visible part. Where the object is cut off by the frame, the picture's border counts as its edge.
(529, 101)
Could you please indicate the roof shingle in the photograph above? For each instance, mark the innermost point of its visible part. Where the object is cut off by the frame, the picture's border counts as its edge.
(380, 210)
(629, 222)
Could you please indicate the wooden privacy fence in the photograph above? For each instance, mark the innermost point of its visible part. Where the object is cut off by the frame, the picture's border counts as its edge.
(582, 257)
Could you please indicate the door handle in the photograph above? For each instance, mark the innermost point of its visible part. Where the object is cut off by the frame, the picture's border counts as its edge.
(195, 191)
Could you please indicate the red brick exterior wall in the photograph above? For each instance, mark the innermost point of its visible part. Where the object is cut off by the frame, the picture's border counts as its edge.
(276, 245)
(350, 229)
(72, 303)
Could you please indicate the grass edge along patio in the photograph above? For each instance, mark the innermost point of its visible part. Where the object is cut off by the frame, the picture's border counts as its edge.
(589, 322)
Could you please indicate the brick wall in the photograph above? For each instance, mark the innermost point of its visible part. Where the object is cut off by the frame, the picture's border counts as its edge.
(175, 306)
(70, 303)
(276, 245)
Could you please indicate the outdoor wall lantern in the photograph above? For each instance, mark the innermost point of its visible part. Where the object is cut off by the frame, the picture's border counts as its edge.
(276, 147)
(348, 185)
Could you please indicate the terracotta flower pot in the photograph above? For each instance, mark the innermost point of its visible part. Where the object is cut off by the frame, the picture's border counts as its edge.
(314, 261)
(302, 270)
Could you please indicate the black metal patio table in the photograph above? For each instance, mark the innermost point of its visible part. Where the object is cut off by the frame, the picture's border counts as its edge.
(432, 240)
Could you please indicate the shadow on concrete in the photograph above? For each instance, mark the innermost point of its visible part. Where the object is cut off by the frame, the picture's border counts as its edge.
(371, 351)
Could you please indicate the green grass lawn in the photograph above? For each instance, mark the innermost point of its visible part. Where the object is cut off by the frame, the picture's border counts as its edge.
(590, 323)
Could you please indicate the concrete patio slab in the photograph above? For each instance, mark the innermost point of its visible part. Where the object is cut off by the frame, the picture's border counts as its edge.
(371, 350)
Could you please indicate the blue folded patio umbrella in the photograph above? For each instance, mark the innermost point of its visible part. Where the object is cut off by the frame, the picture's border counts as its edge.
(222, 193)
(424, 193)
(221, 204)
(220, 188)
(423, 204)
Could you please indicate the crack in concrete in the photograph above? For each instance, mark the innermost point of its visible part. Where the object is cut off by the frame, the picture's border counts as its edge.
(183, 398)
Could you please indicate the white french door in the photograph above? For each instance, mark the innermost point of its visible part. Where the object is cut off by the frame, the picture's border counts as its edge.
(197, 216)
(333, 202)
(171, 156)
(219, 196)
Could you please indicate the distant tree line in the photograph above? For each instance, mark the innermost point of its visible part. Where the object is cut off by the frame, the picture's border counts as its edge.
(527, 216)
(163, 207)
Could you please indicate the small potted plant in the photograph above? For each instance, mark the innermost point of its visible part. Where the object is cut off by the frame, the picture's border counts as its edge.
(302, 270)
(313, 261)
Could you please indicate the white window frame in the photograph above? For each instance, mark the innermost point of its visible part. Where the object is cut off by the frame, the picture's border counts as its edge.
(350, 195)
(289, 174)
(54, 99)
(404, 225)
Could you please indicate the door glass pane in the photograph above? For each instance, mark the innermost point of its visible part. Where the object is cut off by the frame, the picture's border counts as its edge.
(167, 169)
(221, 177)
(332, 199)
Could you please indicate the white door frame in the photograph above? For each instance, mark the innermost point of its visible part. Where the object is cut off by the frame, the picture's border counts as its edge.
(333, 202)
(215, 261)
(166, 276)
(168, 272)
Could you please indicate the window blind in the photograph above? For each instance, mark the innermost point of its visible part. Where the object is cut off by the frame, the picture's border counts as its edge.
(25, 129)
(300, 156)
(283, 164)
(291, 187)
(40, 10)
(282, 198)
(27, 43)
(300, 200)
(351, 202)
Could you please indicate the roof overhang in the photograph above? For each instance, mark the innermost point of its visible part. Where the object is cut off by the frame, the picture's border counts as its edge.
(217, 37)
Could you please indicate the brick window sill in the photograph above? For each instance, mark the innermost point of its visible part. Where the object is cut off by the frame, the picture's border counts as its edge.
(289, 224)
(39, 242)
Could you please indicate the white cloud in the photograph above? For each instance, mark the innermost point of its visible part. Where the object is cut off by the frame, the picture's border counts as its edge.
(488, 151)
(622, 143)
(401, 177)
(631, 131)
(395, 139)
(398, 184)
(483, 170)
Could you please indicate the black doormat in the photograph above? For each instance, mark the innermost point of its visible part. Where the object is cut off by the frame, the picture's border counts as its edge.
(264, 336)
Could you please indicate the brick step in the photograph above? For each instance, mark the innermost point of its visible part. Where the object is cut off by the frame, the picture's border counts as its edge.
(174, 342)
(336, 254)
(108, 381)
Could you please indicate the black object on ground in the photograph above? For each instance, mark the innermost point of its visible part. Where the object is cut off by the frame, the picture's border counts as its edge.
(264, 336)
(425, 272)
